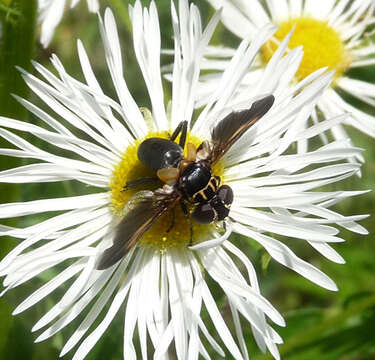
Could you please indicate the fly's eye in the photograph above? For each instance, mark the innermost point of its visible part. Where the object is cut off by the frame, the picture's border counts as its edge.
(171, 158)
(204, 214)
(225, 194)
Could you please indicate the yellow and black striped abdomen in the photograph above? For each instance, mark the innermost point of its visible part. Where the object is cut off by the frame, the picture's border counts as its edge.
(208, 192)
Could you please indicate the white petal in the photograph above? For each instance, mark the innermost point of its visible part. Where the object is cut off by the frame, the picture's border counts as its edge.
(285, 256)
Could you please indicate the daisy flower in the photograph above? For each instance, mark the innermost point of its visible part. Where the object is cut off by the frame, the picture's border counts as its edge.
(51, 12)
(163, 283)
(332, 34)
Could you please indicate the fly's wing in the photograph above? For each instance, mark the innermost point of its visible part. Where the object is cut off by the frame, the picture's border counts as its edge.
(234, 125)
(142, 211)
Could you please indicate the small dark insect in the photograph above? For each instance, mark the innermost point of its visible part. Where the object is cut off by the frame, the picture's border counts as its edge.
(186, 180)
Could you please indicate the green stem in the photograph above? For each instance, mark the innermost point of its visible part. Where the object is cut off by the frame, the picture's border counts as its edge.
(311, 335)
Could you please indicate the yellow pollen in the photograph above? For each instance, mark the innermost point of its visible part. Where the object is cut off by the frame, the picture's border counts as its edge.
(130, 168)
(322, 46)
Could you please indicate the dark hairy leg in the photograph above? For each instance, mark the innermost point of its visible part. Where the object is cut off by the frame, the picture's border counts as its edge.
(188, 219)
(181, 128)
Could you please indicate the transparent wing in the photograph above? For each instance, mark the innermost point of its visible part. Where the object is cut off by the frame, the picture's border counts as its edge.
(142, 211)
(234, 125)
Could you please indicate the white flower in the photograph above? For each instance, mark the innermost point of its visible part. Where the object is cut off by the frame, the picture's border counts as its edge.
(51, 12)
(332, 33)
(161, 282)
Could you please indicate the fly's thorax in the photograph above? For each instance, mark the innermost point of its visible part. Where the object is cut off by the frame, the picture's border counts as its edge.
(197, 182)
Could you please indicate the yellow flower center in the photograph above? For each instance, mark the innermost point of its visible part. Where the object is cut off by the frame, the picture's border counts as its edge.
(322, 46)
(130, 168)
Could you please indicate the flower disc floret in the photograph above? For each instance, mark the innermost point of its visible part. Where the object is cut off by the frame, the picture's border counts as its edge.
(322, 45)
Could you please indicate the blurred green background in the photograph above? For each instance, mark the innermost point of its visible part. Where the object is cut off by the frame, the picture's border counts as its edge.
(320, 324)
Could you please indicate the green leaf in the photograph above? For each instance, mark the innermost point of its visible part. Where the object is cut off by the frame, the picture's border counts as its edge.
(266, 258)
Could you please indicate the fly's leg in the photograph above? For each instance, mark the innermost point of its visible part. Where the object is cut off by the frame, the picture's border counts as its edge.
(172, 222)
(187, 216)
(181, 128)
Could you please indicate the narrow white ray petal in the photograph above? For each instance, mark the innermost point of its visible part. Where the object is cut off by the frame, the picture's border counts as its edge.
(254, 315)
(245, 308)
(17, 276)
(131, 113)
(177, 310)
(155, 311)
(151, 302)
(138, 287)
(98, 282)
(239, 332)
(42, 115)
(214, 242)
(333, 217)
(279, 9)
(93, 5)
(98, 306)
(34, 152)
(146, 40)
(285, 256)
(230, 80)
(38, 206)
(162, 350)
(237, 21)
(295, 7)
(359, 119)
(292, 229)
(322, 155)
(45, 225)
(50, 286)
(49, 173)
(337, 11)
(219, 51)
(321, 10)
(254, 10)
(215, 315)
(98, 94)
(83, 235)
(48, 227)
(254, 282)
(328, 252)
(362, 90)
(315, 174)
(50, 16)
(189, 44)
(86, 107)
(228, 281)
(93, 338)
(196, 305)
(132, 312)
(292, 188)
(62, 105)
(67, 141)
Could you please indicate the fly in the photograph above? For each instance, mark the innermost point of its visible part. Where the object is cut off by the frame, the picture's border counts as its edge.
(187, 180)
